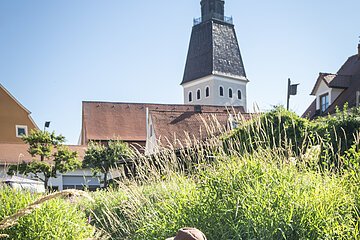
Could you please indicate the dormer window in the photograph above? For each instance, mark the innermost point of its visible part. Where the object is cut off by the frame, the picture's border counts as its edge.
(324, 102)
(21, 130)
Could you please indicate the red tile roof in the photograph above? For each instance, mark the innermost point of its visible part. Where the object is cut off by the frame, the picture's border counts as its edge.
(104, 121)
(183, 128)
(17, 153)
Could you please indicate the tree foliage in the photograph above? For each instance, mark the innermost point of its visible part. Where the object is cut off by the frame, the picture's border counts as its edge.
(101, 158)
(50, 156)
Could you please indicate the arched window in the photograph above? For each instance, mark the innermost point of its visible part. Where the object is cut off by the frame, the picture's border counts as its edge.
(190, 96)
(221, 91)
(230, 93)
(239, 94)
(198, 94)
(207, 91)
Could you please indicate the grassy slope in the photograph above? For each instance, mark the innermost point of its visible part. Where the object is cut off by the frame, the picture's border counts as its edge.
(253, 197)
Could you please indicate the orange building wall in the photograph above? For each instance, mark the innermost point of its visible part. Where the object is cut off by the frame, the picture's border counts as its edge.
(12, 114)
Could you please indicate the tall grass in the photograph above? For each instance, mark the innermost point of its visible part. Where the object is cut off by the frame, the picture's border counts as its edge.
(268, 187)
(253, 197)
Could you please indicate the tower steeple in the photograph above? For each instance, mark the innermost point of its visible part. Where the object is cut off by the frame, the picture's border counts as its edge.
(212, 9)
(214, 71)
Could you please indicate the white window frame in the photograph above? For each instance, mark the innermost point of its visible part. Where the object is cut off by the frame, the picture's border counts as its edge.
(326, 104)
(21, 126)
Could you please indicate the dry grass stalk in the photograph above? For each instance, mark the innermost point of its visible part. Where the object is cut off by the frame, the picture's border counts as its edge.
(13, 219)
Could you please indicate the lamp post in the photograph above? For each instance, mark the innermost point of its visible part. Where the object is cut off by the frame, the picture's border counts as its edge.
(291, 90)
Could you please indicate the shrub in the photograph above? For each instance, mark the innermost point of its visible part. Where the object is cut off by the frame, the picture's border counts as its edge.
(55, 219)
(278, 128)
(338, 134)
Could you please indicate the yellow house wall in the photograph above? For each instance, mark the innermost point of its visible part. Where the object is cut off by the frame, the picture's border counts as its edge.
(12, 114)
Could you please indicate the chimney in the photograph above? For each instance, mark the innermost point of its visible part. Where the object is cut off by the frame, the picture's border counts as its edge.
(358, 51)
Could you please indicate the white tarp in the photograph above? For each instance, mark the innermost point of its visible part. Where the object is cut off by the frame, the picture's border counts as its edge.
(24, 184)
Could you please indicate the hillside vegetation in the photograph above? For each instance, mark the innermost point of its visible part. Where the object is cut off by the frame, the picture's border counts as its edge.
(276, 176)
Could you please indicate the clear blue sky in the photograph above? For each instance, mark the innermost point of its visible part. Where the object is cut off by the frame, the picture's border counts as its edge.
(55, 54)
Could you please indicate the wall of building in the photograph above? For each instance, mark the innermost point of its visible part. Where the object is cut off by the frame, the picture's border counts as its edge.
(214, 82)
(151, 142)
(11, 115)
(335, 92)
(324, 89)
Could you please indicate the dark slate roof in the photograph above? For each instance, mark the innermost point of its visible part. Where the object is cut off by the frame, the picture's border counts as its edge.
(213, 49)
(348, 77)
(332, 81)
(310, 112)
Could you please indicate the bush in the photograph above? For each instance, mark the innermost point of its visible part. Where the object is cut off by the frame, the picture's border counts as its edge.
(338, 134)
(278, 128)
(55, 219)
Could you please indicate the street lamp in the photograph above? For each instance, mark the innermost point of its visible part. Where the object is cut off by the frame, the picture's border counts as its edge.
(46, 125)
(291, 90)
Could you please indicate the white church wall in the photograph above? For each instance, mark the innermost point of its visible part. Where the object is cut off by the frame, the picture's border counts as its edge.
(214, 82)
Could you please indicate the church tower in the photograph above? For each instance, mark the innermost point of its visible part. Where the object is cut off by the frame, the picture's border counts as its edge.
(214, 71)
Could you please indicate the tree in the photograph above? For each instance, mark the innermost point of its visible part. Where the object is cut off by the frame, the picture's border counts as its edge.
(101, 159)
(54, 156)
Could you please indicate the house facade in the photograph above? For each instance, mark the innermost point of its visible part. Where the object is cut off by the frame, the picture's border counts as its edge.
(15, 119)
(332, 91)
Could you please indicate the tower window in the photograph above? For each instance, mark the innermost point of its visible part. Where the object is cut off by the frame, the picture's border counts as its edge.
(207, 92)
(190, 96)
(198, 94)
(230, 93)
(221, 91)
(239, 94)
